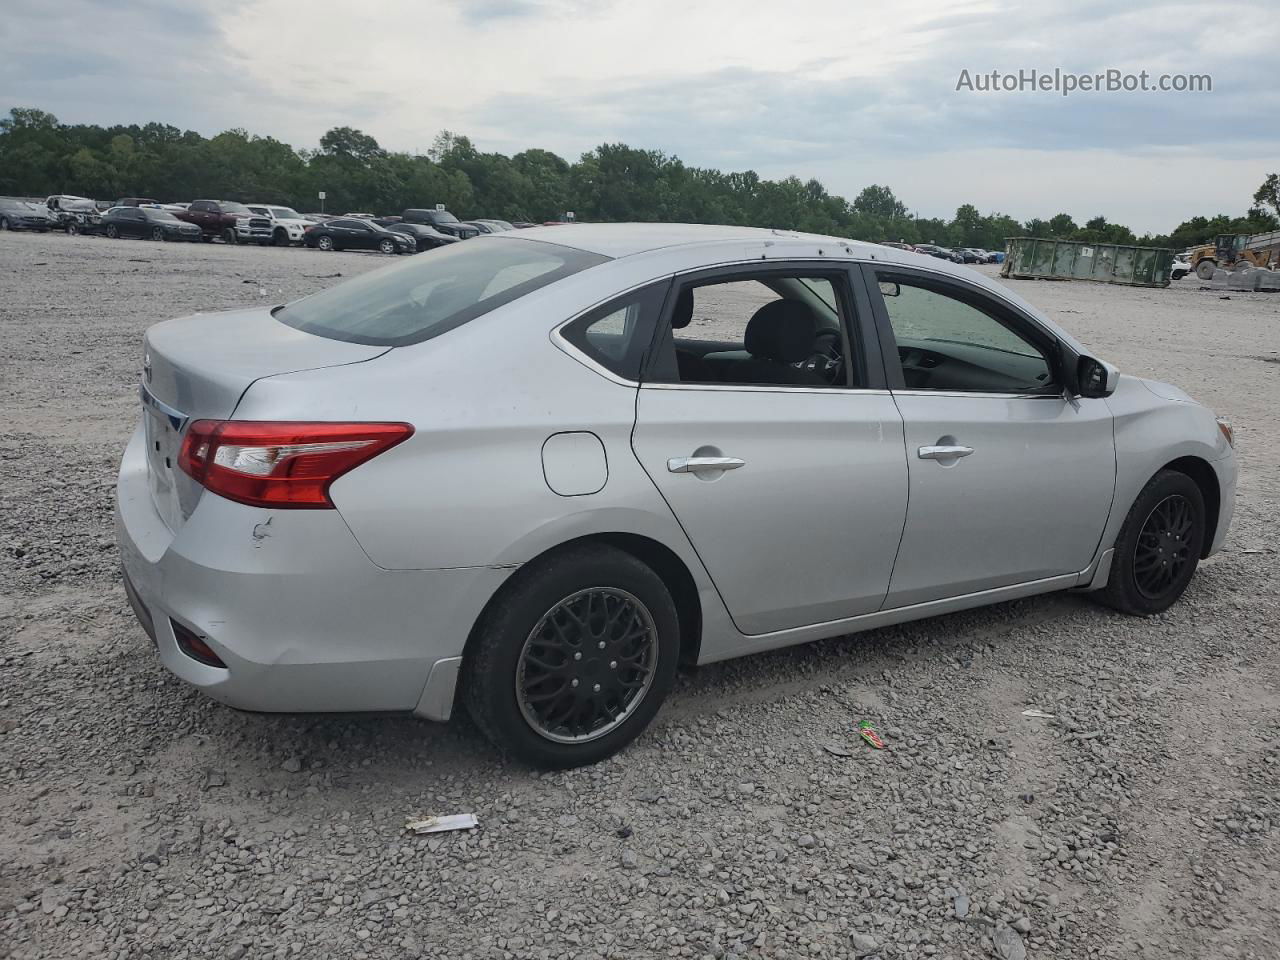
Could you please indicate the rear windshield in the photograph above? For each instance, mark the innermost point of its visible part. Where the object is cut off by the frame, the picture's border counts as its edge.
(427, 295)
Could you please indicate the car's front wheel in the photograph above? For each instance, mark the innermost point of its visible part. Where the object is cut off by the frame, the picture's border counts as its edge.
(387, 246)
(113, 231)
(157, 234)
(1159, 546)
(573, 658)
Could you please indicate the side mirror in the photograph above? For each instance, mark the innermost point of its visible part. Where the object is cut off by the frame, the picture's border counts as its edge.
(889, 288)
(1095, 378)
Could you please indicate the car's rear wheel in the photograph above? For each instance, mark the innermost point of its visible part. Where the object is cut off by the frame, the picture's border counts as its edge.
(324, 243)
(157, 233)
(1205, 268)
(387, 246)
(280, 238)
(1159, 546)
(573, 658)
(113, 231)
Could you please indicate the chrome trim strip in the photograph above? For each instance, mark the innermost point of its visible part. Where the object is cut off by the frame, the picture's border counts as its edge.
(978, 394)
(762, 388)
(177, 419)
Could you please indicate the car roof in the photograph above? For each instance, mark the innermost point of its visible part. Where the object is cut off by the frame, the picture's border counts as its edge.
(702, 245)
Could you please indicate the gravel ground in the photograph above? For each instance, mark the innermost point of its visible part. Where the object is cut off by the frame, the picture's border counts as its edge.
(139, 819)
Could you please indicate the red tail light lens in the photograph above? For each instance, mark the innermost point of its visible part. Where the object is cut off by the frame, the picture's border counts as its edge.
(281, 463)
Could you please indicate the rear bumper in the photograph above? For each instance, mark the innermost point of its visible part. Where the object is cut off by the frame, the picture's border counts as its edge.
(301, 617)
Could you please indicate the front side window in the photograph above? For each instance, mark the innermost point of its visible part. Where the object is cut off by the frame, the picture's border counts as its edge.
(950, 340)
(772, 330)
(422, 297)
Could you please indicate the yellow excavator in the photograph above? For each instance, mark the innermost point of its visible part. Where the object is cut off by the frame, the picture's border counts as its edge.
(1231, 250)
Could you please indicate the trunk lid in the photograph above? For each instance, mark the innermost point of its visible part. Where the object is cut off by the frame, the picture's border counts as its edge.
(199, 367)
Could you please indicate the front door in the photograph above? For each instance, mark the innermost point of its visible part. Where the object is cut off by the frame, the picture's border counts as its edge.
(778, 453)
(1010, 480)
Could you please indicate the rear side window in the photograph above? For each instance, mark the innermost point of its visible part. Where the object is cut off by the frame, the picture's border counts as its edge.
(423, 297)
(617, 334)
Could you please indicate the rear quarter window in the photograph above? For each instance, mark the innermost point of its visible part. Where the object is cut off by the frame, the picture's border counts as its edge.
(426, 296)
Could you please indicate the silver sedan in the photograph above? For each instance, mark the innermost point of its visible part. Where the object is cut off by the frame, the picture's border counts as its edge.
(534, 472)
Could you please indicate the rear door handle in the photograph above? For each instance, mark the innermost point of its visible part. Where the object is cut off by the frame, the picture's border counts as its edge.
(699, 464)
(944, 453)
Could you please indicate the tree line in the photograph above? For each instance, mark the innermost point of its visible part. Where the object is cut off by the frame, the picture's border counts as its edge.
(40, 156)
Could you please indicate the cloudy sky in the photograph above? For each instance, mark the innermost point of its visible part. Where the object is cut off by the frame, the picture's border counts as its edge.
(849, 91)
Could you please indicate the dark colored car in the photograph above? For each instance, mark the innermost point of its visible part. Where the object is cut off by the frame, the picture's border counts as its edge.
(348, 233)
(148, 223)
(942, 253)
(498, 226)
(442, 220)
(426, 238)
(24, 215)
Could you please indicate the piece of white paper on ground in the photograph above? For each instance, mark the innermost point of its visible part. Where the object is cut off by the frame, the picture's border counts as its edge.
(1037, 714)
(457, 821)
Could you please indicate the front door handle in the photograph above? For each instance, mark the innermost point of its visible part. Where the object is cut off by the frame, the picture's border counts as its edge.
(698, 464)
(944, 453)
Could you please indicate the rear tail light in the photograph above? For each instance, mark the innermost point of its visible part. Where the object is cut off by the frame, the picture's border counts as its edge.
(281, 463)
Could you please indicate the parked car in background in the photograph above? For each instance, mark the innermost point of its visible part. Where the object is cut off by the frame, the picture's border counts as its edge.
(481, 229)
(137, 202)
(523, 224)
(228, 220)
(897, 245)
(1180, 267)
(74, 214)
(353, 233)
(968, 255)
(25, 215)
(442, 220)
(933, 250)
(539, 513)
(424, 236)
(287, 224)
(497, 226)
(147, 223)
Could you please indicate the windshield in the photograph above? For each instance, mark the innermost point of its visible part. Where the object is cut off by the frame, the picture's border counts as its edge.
(426, 296)
(231, 207)
(285, 213)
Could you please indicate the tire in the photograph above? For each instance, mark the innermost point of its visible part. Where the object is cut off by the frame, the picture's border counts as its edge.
(544, 607)
(229, 236)
(280, 238)
(325, 243)
(1177, 274)
(4, 223)
(113, 231)
(1205, 268)
(73, 229)
(1147, 537)
(157, 234)
(387, 246)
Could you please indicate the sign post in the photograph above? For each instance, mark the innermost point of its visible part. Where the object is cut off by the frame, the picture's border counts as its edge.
(322, 201)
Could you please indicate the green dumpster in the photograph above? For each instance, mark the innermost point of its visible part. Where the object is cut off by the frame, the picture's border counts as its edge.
(1036, 258)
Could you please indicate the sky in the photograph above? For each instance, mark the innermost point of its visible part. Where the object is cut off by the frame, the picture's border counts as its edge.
(851, 92)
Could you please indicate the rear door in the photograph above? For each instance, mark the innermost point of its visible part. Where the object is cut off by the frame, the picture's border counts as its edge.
(1011, 480)
(134, 223)
(777, 447)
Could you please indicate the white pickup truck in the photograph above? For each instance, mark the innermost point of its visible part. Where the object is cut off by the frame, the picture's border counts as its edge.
(287, 224)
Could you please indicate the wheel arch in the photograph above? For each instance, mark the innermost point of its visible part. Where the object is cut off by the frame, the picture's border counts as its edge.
(1200, 471)
(661, 559)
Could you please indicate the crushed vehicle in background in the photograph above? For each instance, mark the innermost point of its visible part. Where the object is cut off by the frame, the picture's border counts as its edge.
(74, 214)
